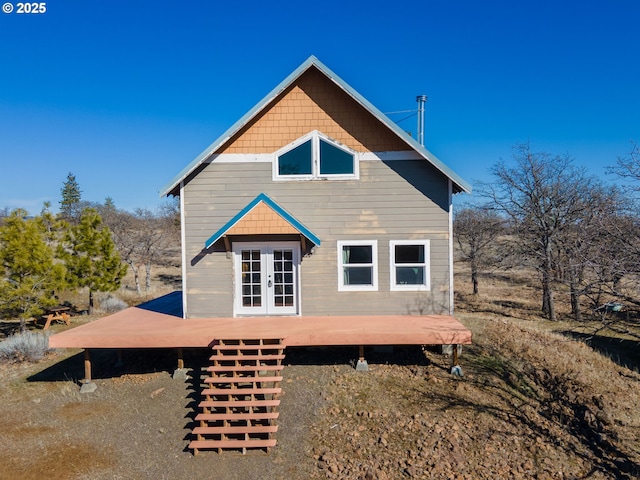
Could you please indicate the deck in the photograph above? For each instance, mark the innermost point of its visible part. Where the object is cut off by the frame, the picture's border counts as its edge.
(240, 393)
(150, 326)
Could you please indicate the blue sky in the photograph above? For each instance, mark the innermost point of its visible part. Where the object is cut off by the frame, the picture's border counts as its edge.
(124, 94)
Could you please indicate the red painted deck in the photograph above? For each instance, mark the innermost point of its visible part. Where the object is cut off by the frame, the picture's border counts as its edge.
(140, 328)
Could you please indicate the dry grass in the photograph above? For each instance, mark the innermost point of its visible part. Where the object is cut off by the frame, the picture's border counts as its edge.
(533, 403)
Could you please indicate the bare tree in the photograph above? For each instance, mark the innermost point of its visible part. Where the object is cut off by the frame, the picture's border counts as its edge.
(125, 227)
(477, 229)
(586, 261)
(155, 239)
(624, 229)
(144, 238)
(543, 195)
(628, 167)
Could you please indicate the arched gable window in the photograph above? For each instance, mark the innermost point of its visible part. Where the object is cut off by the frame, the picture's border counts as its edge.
(315, 156)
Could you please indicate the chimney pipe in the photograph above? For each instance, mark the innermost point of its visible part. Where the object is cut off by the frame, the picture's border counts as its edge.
(422, 100)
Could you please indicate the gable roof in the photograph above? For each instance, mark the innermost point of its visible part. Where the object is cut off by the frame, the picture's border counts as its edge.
(290, 225)
(459, 185)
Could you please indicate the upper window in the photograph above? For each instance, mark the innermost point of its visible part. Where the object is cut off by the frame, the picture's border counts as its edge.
(358, 265)
(315, 156)
(296, 161)
(409, 264)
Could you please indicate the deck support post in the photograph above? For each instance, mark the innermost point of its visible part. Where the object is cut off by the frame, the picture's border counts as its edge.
(362, 365)
(180, 373)
(87, 384)
(456, 370)
(87, 366)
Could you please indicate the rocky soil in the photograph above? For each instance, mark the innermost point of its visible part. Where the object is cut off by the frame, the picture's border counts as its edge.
(530, 406)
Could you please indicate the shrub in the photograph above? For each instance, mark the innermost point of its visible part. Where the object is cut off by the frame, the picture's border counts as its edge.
(26, 346)
(112, 304)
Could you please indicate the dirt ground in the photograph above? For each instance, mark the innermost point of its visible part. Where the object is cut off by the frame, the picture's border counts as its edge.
(137, 424)
(408, 417)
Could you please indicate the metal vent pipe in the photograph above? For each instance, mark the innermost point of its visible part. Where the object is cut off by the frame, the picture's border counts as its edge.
(422, 100)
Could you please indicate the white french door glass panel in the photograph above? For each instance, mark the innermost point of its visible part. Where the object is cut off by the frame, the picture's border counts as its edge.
(266, 278)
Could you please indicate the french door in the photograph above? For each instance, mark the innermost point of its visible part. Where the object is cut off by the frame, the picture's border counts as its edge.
(266, 278)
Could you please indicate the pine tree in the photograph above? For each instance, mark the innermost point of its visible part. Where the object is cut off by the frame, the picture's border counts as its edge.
(29, 274)
(109, 204)
(71, 196)
(52, 226)
(91, 257)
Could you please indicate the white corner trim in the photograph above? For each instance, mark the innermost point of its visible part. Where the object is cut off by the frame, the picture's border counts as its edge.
(451, 293)
(183, 237)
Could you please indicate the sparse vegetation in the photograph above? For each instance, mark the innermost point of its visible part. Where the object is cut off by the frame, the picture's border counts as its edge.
(112, 304)
(24, 346)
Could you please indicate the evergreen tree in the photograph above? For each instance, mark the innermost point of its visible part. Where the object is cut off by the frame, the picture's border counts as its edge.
(71, 196)
(91, 257)
(109, 204)
(51, 225)
(29, 274)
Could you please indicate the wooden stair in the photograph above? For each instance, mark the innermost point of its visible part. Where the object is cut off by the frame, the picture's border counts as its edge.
(240, 397)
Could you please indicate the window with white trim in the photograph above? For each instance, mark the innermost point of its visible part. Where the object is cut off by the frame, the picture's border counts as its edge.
(315, 156)
(409, 264)
(358, 265)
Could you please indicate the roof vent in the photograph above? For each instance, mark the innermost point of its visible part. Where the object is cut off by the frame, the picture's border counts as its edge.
(422, 100)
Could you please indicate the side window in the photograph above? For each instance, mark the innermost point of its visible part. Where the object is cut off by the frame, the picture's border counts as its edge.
(358, 265)
(409, 264)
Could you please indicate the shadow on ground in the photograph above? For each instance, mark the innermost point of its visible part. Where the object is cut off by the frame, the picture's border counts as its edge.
(110, 363)
(625, 353)
(348, 355)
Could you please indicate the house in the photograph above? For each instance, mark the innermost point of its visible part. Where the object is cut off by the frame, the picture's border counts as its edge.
(315, 203)
(313, 221)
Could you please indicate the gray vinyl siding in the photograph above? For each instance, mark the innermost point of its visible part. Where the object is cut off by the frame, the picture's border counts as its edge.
(397, 200)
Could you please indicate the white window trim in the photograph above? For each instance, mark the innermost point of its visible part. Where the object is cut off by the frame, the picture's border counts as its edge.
(427, 266)
(374, 257)
(315, 136)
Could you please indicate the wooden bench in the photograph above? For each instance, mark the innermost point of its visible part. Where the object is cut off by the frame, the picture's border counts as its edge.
(57, 314)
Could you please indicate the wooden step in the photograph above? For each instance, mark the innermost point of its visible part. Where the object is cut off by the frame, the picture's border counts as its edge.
(243, 368)
(232, 444)
(248, 379)
(247, 346)
(238, 403)
(246, 357)
(241, 391)
(250, 429)
(233, 392)
(249, 341)
(228, 352)
(212, 417)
